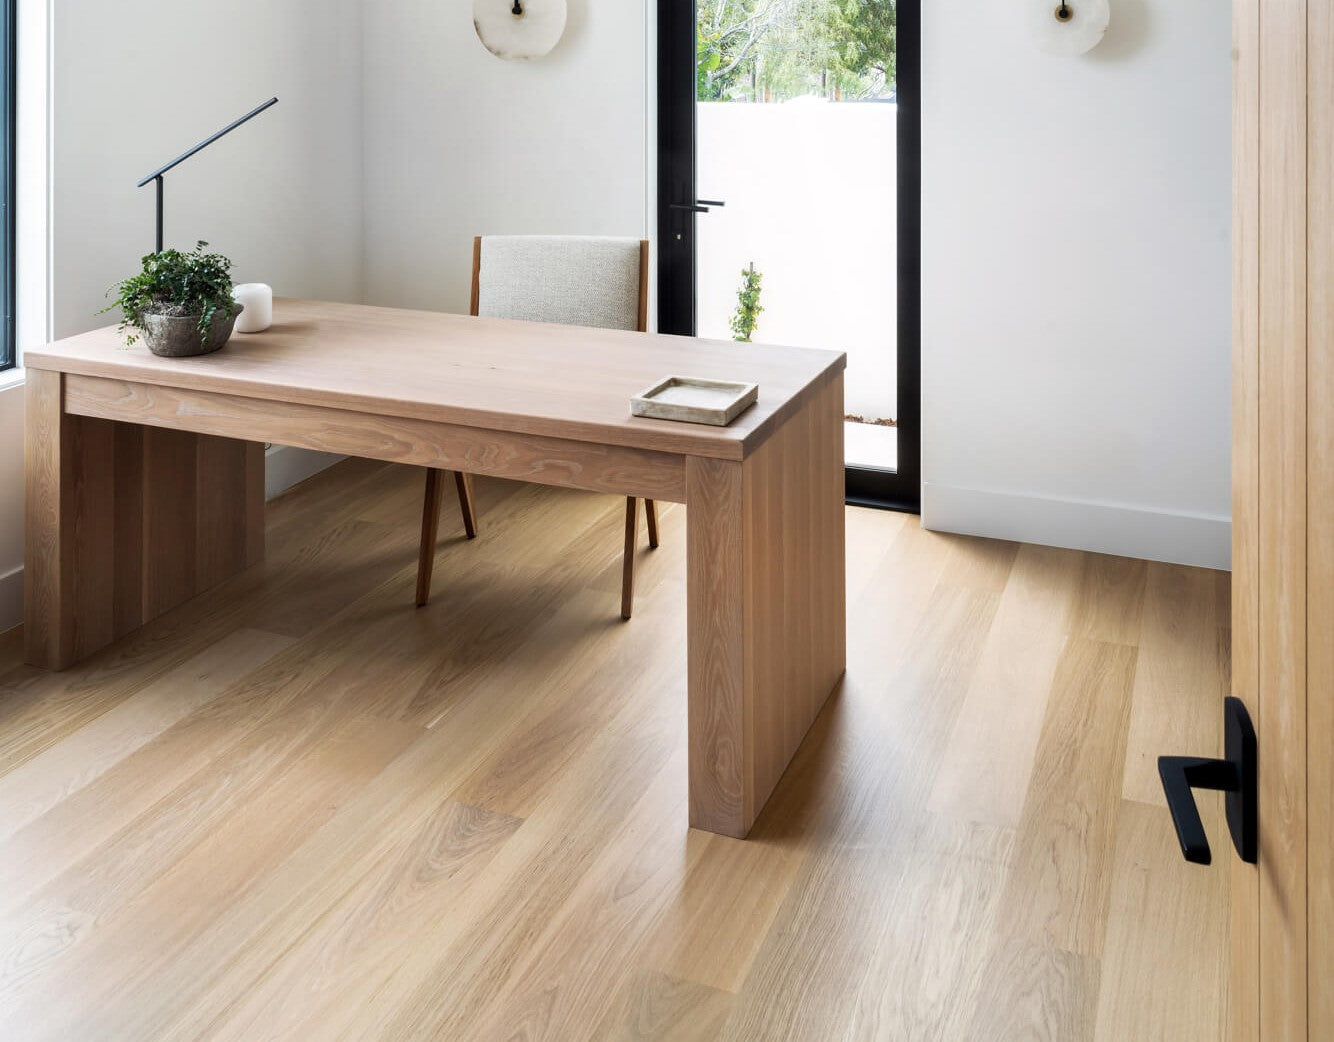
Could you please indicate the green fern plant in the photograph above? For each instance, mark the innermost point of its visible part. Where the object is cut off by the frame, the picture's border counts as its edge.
(746, 319)
(175, 283)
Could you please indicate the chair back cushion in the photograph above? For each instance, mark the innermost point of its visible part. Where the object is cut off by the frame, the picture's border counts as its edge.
(568, 279)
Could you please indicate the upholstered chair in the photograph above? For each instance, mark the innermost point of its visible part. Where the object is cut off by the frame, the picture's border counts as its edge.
(565, 279)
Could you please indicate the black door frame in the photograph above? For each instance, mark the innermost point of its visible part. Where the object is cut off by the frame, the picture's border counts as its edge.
(678, 192)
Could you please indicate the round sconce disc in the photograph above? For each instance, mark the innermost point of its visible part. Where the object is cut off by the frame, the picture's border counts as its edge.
(1070, 28)
(529, 34)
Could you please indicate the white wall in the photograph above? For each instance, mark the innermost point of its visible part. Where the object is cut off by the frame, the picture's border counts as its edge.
(1076, 281)
(459, 143)
(138, 81)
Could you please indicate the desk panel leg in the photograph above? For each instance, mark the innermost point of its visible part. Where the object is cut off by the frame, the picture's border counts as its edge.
(767, 625)
(125, 522)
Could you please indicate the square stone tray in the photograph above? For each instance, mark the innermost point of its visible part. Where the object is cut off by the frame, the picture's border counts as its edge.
(692, 400)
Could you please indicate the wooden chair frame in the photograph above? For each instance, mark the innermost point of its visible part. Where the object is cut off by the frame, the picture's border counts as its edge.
(463, 482)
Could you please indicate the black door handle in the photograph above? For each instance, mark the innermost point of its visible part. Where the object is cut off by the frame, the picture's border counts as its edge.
(1235, 775)
(698, 206)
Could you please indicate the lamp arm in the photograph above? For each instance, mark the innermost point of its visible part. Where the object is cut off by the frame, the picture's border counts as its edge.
(156, 175)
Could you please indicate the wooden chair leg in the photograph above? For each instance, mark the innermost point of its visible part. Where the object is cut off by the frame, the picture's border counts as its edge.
(463, 482)
(628, 576)
(430, 525)
(651, 509)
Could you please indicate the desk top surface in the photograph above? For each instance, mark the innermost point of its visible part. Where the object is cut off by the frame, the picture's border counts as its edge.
(534, 378)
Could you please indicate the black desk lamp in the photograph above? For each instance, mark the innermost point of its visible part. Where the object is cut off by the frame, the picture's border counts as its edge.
(156, 175)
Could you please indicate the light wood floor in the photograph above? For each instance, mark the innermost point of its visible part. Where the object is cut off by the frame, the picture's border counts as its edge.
(300, 809)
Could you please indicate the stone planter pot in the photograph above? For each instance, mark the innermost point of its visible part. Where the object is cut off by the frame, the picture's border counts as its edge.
(177, 336)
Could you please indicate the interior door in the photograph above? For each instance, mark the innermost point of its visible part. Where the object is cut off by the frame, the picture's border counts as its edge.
(1283, 512)
(788, 159)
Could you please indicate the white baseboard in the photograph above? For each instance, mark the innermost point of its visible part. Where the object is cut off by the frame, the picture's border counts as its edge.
(11, 599)
(1105, 528)
(285, 466)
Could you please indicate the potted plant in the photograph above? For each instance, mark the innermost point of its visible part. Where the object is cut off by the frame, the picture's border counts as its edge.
(180, 302)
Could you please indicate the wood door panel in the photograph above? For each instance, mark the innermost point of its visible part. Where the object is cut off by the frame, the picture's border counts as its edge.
(1244, 983)
(1283, 510)
(1320, 523)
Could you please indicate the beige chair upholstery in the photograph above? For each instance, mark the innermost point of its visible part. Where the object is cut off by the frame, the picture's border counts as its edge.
(567, 279)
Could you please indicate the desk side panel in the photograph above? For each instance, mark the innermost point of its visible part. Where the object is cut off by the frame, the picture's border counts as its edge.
(767, 628)
(125, 522)
(47, 589)
(796, 646)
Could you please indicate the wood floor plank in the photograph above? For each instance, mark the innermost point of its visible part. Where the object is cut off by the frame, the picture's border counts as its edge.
(421, 877)
(1110, 600)
(655, 1007)
(443, 988)
(569, 976)
(346, 491)
(1034, 993)
(1164, 970)
(330, 571)
(30, 790)
(873, 532)
(359, 841)
(144, 916)
(1061, 880)
(370, 821)
(807, 975)
(303, 582)
(730, 891)
(921, 983)
(91, 817)
(1177, 705)
(979, 564)
(989, 760)
(883, 618)
(518, 776)
(583, 529)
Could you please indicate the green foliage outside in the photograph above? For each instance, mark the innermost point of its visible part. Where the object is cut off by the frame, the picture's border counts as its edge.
(173, 282)
(758, 50)
(747, 316)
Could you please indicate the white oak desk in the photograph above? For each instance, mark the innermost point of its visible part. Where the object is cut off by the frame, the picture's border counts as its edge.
(145, 486)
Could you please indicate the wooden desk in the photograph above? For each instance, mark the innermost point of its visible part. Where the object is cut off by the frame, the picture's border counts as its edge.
(145, 486)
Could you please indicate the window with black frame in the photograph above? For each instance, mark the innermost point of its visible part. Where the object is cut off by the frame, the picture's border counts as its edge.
(8, 64)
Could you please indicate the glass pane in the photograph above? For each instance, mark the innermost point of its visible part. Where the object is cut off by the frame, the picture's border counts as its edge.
(796, 125)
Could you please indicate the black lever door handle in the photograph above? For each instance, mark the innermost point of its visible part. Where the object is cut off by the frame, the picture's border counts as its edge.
(698, 206)
(1180, 774)
(1235, 775)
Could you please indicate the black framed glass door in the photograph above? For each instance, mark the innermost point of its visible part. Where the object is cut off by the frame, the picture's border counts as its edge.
(789, 201)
